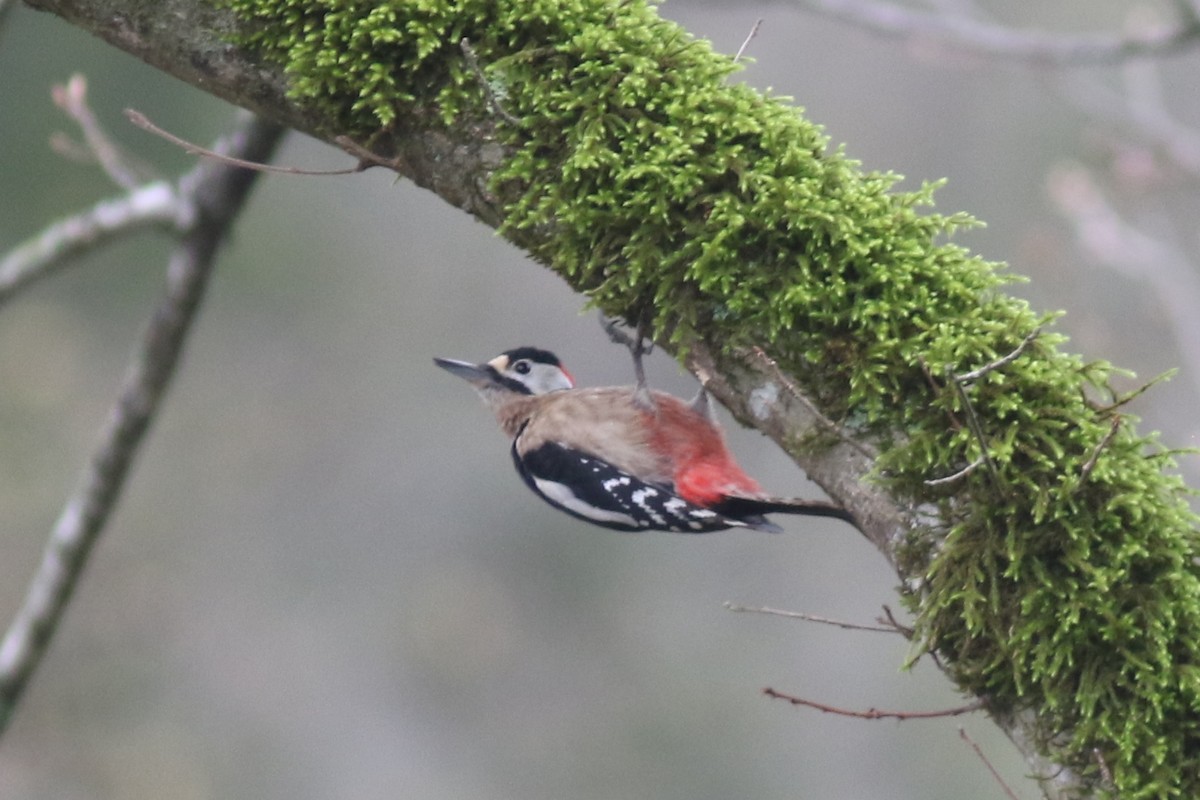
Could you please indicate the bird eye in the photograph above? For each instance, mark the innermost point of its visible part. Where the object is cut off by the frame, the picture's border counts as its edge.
(522, 367)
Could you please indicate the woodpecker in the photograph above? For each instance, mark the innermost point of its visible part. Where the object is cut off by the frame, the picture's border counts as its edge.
(625, 458)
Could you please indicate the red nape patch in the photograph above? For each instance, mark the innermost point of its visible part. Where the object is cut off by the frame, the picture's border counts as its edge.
(570, 377)
(704, 470)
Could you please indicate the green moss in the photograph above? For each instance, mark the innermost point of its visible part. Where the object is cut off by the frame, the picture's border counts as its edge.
(1063, 575)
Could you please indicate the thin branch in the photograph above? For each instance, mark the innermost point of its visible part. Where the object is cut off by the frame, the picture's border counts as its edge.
(152, 205)
(908, 632)
(959, 382)
(975, 427)
(749, 37)
(118, 165)
(366, 158)
(142, 121)
(1003, 361)
(1090, 464)
(217, 193)
(874, 713)
(979, 752)
(997, 41)
(1120, 401)
(489, 90)
(853, 626)
(955, 476)
(63, 145)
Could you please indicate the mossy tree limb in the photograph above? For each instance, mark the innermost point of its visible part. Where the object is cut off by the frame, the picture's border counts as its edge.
(1056, 574)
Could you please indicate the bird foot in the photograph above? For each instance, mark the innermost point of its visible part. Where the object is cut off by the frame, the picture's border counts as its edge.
(637, 346)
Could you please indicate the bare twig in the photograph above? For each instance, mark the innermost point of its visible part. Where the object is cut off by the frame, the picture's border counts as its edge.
(68, 148)
(979, 752)
(749, 37)
(962, 473)
(874, 713)
(975, 427)
(890, 619)
(853, 626)
(976, 374)
(489, 90)
(119, 166)
(959, 382)
(217, 193)
(980, 38)
(366, 158)
(1090, 464)
(142, 121)
(152, 205)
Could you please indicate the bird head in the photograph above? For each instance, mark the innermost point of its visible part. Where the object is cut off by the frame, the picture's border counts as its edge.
(524, 370)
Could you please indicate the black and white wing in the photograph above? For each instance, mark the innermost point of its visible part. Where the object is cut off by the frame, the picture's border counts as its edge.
(598, 492)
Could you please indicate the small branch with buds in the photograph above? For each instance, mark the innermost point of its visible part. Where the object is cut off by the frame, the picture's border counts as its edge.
(121, 168)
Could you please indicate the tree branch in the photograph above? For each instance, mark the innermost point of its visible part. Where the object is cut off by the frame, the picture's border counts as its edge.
(213, 195)
(154, 205)
(981, 38)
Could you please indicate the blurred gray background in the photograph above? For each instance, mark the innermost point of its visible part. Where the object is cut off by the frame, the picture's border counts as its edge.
(325, 580)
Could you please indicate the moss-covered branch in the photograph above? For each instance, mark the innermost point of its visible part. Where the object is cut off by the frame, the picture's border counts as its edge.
(1056, 575)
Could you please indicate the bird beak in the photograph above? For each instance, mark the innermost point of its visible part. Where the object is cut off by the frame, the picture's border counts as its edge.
(475, 374)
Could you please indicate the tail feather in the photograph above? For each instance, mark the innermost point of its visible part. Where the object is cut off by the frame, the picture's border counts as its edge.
(751, 509)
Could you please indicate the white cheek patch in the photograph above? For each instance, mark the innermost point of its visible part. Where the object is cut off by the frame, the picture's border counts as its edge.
(561, 495)
(546, 378)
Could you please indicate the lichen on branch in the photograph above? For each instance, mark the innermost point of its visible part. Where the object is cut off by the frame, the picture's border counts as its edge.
(1059, 574)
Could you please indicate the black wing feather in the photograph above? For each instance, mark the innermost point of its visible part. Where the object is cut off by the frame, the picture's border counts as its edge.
(595, 491)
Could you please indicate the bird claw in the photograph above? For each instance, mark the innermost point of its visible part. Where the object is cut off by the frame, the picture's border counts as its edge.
(701, 405)
(637, 348)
